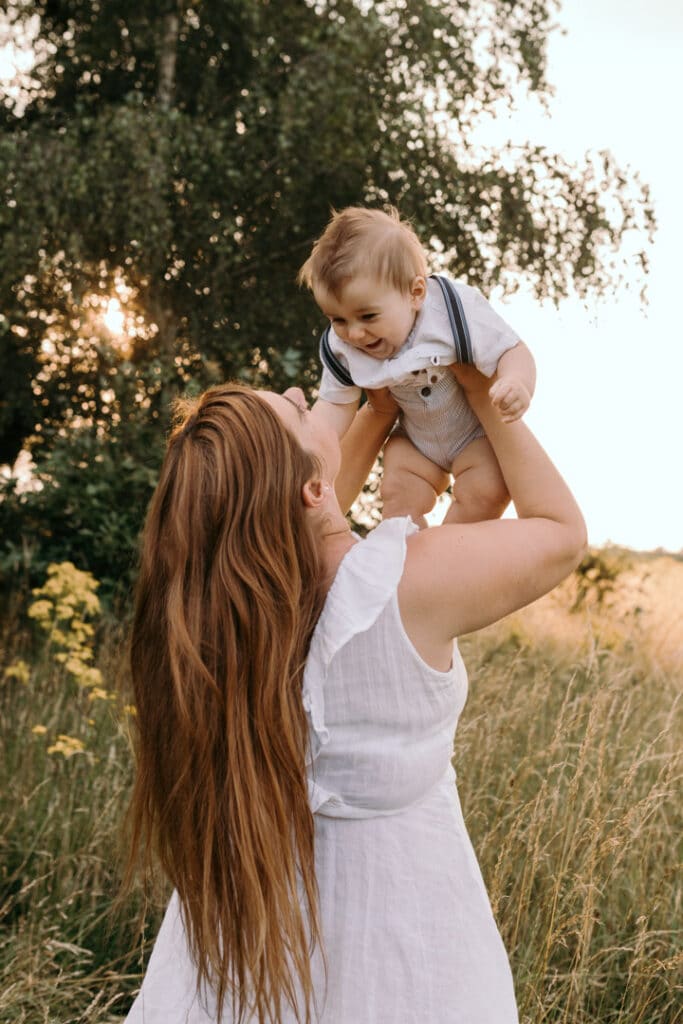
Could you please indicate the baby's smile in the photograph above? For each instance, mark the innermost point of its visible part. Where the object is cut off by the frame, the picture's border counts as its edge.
(372, 345)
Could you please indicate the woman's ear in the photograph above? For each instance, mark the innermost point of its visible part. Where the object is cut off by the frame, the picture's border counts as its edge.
(314, 493)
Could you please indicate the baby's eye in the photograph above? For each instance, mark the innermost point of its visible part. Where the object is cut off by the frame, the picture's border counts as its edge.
(369, 316)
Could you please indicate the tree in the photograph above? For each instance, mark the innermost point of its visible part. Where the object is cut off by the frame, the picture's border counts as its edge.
(185, 157)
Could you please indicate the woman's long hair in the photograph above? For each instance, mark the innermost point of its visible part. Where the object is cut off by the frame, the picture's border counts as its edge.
(228, 595)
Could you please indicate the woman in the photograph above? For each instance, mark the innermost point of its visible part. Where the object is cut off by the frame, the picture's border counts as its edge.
(297, 695)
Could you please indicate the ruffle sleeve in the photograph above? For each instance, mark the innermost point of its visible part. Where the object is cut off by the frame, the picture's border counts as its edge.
(365, 582)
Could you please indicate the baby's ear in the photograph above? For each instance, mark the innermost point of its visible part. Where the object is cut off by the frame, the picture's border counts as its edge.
(418, 291)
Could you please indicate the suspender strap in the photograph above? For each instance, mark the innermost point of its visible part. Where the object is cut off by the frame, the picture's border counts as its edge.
(456, 315)
(328, 358)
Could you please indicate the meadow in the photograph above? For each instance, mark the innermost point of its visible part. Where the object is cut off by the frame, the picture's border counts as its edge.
(568, 758)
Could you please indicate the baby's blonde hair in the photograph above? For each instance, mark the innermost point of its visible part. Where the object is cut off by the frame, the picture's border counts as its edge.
(361, 241)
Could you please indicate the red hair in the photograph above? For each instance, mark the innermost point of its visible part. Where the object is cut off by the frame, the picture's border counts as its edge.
(228, 595)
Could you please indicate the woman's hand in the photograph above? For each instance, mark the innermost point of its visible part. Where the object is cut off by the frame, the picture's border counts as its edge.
(470, 379)
(488, 393)
(512, 387)
(382, 401)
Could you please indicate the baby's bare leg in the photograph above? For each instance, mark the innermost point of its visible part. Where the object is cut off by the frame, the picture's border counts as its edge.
(411, 482)
(479, 491)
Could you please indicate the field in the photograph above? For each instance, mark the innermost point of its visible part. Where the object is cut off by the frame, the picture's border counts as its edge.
(569, 765)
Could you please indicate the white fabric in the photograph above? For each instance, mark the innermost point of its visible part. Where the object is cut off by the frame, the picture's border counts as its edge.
(407, 925)
(429, 344)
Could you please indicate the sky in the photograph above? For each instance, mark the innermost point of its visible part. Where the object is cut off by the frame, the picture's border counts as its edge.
(609, 399)
(608, 405)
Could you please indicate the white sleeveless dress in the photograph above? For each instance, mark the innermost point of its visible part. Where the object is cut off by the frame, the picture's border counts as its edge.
(407, 925)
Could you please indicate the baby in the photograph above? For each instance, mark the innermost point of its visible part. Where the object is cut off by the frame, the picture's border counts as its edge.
(393, 326)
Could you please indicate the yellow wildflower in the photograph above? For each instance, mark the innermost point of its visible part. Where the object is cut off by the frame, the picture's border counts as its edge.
(89, 677)
(41, 610)
(97, 693)
(19, 671)
(39, 730)
(67, 746)
(74, 665)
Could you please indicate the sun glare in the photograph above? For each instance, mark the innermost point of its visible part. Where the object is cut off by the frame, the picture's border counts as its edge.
(113, 317)
(7, 66)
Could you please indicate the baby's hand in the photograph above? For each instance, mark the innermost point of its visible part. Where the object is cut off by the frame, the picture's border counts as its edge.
(510, 397)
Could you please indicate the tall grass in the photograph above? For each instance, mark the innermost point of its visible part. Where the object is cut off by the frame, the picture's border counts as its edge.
(569, 766)
(63, 955)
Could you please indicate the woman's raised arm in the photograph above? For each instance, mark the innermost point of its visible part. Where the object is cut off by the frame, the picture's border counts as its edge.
(459, 578)
(361, 444)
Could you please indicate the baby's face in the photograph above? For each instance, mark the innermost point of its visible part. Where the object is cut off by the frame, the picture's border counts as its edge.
(372, 316)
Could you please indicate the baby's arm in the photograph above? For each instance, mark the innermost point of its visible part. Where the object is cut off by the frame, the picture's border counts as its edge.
(339, 416)
(516, 379)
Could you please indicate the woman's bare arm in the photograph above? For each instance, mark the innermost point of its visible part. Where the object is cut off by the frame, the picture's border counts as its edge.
(338, 415)
(361, 444)
(462, 577)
